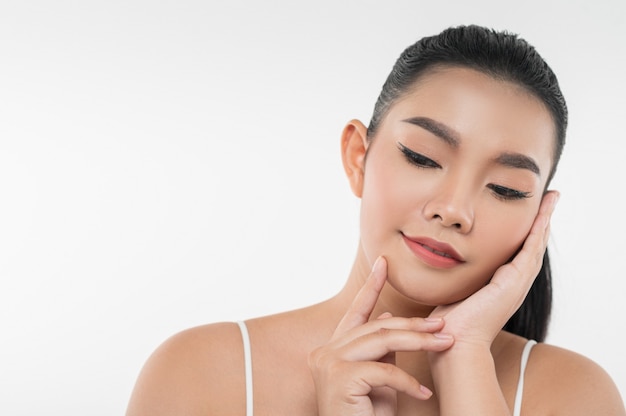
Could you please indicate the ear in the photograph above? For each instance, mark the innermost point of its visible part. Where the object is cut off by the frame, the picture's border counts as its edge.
(353, 148)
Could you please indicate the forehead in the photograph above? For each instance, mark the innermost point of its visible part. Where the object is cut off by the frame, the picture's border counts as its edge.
(490, 114)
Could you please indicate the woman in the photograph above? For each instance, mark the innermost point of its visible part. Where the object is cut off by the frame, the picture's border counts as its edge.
(452, 172)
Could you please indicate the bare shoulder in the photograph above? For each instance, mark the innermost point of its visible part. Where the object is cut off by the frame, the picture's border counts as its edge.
(197, 371)
(569, 383)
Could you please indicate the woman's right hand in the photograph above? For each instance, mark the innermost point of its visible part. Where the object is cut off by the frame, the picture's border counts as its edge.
(355, 373)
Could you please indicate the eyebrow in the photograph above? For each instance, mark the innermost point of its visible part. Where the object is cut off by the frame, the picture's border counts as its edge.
(451, 137)
(519, 161)
(438, 129)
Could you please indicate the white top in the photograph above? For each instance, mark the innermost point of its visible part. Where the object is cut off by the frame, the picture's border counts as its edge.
(248, 366)
(517, 408)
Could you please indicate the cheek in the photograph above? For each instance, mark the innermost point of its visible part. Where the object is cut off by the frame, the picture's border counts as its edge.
(498, 240)
(385, 206)
(504, 233)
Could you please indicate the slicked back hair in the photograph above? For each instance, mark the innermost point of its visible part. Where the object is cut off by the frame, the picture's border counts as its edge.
(503, 56)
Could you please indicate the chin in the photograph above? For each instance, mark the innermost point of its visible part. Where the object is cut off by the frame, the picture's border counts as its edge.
(433, 290)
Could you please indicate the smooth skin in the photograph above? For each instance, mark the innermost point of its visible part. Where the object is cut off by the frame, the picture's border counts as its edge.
(403, 337)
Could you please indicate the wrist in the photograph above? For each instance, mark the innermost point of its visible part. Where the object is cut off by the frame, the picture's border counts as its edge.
(465, 378)
(461, 356)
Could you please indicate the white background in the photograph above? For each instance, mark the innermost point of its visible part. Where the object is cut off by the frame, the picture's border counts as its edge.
(173, 163)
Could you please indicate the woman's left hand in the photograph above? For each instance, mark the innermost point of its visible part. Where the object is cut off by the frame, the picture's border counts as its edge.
(478, 319)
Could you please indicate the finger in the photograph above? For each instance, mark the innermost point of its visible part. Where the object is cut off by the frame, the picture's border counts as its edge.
(416, 324)
(515, 279)
(361, 308)
(385, 315)
(542, 220)
(389, 358)
(375, 345)
(531, 254)
(372, 375)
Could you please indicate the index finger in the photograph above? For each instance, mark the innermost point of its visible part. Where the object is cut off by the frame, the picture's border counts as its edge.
(529, 259)
(537, 240)
(363, 304)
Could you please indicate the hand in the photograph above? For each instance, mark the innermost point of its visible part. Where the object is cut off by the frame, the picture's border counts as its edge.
(479, 318)
(355, 373)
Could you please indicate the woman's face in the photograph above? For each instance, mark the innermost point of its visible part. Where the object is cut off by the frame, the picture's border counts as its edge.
(452, 182)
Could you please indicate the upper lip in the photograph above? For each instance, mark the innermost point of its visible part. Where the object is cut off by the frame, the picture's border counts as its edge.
(438, 246)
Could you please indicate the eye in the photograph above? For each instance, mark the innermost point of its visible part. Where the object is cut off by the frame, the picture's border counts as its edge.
(417, 159)
(508, 194)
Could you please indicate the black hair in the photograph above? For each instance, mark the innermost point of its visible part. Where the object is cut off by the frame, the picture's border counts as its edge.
(503, 56)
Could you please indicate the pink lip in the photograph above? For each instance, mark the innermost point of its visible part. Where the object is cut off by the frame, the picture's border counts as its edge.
(433, 252)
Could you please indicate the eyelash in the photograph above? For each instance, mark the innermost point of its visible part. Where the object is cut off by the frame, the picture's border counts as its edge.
(421, 161)
(417, 159)
(508, 194)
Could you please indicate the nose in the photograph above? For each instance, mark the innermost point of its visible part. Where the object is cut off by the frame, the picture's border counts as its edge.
(452, 206)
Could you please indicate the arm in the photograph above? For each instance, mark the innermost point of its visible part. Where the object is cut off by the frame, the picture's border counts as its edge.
(562, 382)
(355, 373)
(558, 382)
(196, 372)
(466, 383)
(464, 375)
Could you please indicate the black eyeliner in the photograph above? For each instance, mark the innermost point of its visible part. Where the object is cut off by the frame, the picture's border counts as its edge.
(417, 159)
(509, 194)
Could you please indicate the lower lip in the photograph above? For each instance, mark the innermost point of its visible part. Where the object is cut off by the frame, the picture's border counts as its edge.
(430, 258)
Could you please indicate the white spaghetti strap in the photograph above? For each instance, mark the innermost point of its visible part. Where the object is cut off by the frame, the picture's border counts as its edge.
(247, 354)
(517, 408)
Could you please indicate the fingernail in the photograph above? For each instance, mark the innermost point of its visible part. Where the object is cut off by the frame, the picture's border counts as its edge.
(433, 319)
(442, 336)
(426, 392)
(377, 265)
(385, 315)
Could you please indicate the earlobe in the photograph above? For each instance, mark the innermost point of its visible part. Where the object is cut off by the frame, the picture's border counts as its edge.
(353, 148)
